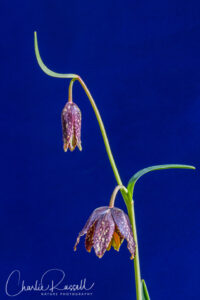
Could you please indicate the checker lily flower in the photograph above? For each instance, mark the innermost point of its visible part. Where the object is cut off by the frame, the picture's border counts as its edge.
(107, 227)
(71, 126)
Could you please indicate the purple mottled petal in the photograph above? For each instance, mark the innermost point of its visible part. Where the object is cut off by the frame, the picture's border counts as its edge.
(103, 233)
(77, 125)
(71, 126)
(93, 217)
(67, 125)
(89, 237)
(123, 224)
(97, 213)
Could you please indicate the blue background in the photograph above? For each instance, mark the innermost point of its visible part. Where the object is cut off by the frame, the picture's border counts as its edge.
(141, 62)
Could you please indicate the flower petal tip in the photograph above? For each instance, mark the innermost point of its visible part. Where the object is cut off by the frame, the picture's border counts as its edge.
(65, 146)
(88, 250)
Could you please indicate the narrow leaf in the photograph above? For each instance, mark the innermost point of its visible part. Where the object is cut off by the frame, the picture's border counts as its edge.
(137, 175)
(145, 294)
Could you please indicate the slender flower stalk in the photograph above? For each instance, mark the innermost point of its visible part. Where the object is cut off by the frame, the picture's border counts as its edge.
(114, 194)
(101, 125)
(70, 98)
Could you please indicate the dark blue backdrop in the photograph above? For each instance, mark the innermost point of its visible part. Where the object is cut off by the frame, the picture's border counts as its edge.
(141, 62)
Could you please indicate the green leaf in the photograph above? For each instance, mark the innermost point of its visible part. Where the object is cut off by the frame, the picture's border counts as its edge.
(145, 294)
(137, 175)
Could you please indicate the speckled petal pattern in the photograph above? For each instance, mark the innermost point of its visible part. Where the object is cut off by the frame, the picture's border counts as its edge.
(93, 217)
(104, 230)
(71, 126)
(123, 224)
(106, 227)
(89, 237)
(77, 126)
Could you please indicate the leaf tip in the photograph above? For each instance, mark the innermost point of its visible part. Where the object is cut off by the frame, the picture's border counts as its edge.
(192, 167)
(35, 35)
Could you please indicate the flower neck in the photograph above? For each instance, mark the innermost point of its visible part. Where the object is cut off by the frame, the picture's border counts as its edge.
(70, 90)
(114, 194)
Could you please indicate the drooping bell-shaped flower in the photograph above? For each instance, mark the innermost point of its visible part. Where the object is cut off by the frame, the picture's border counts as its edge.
(107, 226)
(71, 126)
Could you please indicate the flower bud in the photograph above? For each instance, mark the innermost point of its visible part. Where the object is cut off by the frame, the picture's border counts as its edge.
(71, 126)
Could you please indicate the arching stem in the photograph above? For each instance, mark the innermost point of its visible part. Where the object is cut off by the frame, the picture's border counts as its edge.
(103, 131)
(114, 194)
(44, 68)
(70, 98)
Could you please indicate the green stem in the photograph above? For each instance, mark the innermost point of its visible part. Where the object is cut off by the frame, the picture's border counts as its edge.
(44, 68)
(128, 201)
(70, 98)
(114, 194)
(131, 214)
(103, 131)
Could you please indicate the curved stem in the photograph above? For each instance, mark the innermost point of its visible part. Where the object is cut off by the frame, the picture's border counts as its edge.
(70, 98)
(103, 131)
(44, 68)
(114, 194)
